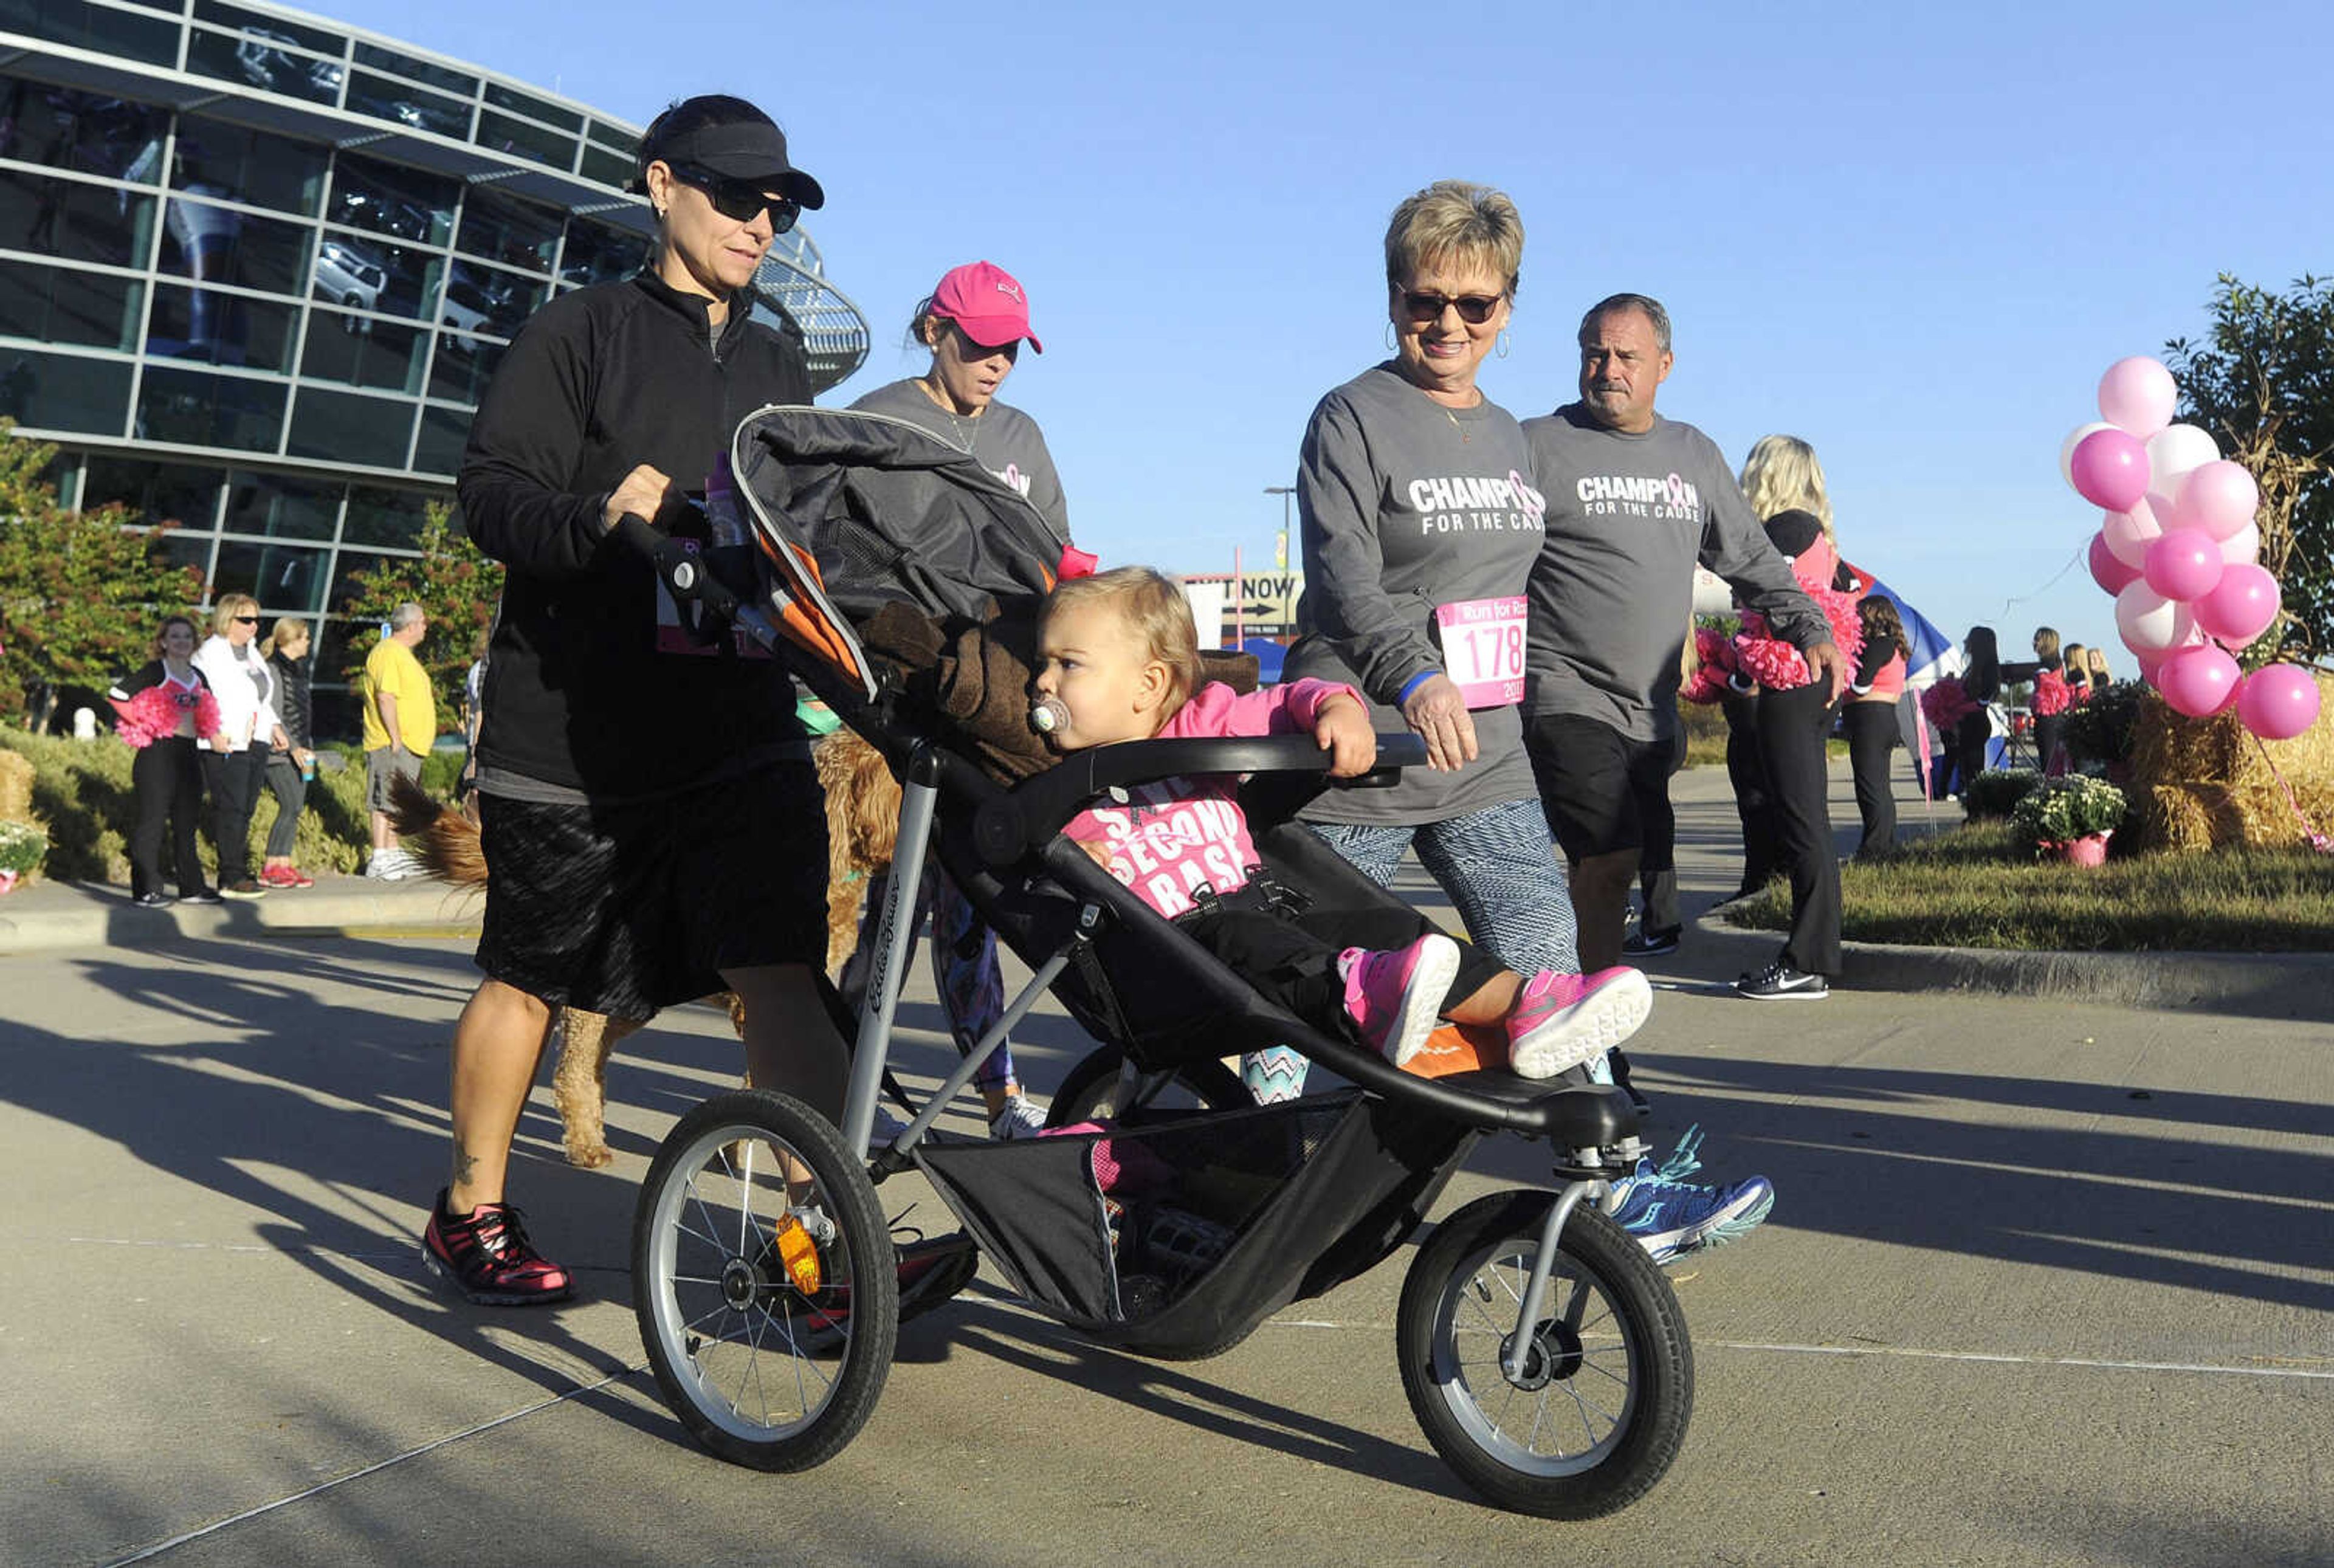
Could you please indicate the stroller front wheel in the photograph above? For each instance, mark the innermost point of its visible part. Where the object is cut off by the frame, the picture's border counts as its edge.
(764, 1282)
(1599, 1408)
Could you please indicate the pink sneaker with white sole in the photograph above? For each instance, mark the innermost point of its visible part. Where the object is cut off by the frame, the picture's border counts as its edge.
(1561, 1021)
(1395, 999)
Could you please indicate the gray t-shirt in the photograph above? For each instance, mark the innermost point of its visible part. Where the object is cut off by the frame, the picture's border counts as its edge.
(1628, 518)
(1407, 506)
(1006, 442)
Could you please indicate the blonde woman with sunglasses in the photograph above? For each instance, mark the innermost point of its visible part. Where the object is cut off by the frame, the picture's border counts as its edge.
(1421, 525)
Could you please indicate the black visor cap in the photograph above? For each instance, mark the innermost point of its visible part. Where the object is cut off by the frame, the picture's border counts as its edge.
(750, 151)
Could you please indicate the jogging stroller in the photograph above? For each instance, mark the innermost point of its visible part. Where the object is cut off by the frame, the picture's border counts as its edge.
(1544, 1354)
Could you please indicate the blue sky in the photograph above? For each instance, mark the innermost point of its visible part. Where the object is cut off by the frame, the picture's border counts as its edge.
(1913, 235)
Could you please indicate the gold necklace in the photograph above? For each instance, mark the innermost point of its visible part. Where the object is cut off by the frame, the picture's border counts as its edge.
(1464, 439)
(965, 438)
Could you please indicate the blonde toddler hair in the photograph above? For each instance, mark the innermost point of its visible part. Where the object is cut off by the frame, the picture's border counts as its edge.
(1151, 604)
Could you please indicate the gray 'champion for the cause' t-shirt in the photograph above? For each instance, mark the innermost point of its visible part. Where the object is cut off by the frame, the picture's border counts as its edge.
(1628, 518)
(1006, 442)
(1408, 505)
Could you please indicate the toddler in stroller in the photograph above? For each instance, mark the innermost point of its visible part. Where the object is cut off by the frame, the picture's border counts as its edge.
(1119, 661)
(1543, 1352)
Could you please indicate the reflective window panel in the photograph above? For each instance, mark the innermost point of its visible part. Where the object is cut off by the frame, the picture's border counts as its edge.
(224, 329)
(461, 371)
(72, 220)
(415, 107)
(200, 409)
(63, 392)
(186, 494)
(153, 38)
(80, 131)
(385, 198)
(384, 515)
(264, 52)
(348, 428)
(219, 244)
(60, 306)
(444, 433)
(358, 353)
(261, 168)
(502, 228)
(277, 507)
(366, 273)
(286, 579)
(596, 255)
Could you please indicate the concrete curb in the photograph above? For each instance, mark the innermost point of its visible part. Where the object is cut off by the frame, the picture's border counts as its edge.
(52, 916)
(2296, 986)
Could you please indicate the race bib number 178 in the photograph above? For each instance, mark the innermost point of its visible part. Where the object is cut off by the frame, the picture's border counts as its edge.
(1483, 649)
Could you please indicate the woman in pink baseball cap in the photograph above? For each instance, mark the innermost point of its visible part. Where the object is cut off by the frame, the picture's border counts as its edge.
(974, 322)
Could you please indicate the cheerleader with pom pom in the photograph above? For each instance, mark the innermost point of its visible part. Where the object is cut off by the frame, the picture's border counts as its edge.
(161, 711)
(1780, 718)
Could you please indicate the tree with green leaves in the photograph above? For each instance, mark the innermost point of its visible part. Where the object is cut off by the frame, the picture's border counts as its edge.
(457, 586)
(81, 594)
(2262, 382)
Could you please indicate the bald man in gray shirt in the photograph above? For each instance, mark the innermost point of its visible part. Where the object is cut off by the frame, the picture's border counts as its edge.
(1635, 501)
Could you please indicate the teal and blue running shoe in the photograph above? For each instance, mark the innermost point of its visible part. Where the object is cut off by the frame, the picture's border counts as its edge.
(1670, 1217)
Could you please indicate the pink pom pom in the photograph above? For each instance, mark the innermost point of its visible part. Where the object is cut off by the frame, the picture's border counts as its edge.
(1776, 666)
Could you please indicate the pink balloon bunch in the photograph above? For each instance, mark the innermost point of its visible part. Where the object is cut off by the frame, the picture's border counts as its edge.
(2179, 549)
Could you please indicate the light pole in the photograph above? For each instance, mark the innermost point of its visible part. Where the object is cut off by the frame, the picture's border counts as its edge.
(1280, 550)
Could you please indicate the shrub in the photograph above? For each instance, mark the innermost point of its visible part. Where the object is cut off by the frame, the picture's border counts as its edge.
(22, 847)
(2100, 730)
(2059, 810)
(81, 789)
(1994, 792)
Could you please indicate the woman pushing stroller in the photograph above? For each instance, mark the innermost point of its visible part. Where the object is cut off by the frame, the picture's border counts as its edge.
(1120, 662)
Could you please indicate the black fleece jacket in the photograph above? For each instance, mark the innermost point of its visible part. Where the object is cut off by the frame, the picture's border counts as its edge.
(598, 382)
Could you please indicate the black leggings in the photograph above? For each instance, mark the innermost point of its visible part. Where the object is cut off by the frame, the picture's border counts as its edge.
(167, 782)
(1791, 726)
(1871, 737)
(1293, 958)
(234, 780)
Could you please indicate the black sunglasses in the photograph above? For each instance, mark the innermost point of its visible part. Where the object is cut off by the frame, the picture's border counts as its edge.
(1473, 308)
(739, 200)
(246, 620)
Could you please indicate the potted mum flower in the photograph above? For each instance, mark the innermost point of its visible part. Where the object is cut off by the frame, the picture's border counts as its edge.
(2071, 817)
(23, 846)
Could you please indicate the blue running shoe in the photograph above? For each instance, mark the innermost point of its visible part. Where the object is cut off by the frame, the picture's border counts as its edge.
(1670, 1217)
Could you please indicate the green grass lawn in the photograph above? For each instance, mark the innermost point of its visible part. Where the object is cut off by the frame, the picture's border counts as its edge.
(1979, 887)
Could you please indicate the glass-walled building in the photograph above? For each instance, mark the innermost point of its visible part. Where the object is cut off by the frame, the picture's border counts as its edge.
(255, 269)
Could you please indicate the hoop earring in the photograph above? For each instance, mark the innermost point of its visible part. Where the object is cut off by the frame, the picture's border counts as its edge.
(1501, 346)
(1389, 337)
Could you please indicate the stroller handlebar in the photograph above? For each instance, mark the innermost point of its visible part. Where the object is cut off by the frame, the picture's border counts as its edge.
(1037, 808)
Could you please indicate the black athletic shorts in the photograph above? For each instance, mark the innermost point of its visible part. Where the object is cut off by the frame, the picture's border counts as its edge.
(624, 909)
(1590, 775)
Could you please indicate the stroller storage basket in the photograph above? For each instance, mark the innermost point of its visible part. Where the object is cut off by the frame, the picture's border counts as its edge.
(1177, 1234)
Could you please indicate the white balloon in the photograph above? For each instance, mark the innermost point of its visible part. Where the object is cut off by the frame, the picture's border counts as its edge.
(2173, 453)
(2242, 548)
(2074, 439)
(2129, 534)
(2150, 622)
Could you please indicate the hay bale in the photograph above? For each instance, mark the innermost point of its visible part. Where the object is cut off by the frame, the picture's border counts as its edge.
(16, 787)
(2202, 784)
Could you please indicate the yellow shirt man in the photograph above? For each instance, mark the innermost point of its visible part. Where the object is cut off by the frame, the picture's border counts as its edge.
(391, 669)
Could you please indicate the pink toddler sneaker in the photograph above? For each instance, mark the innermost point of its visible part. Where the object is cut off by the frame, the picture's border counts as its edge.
(1561, 1021)
(1395, 998)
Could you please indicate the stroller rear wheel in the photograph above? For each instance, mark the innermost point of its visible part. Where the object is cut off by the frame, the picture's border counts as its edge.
(764, 1282)
(1600, 1406)
(1090, 1091)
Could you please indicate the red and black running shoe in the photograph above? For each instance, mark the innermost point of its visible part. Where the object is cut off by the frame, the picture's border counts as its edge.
(488, 1258)
(931, 1271)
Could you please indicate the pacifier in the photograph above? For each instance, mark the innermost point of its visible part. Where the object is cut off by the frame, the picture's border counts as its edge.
(1049, 715)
